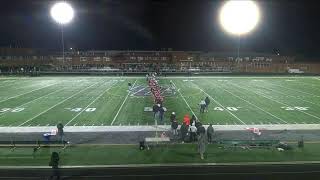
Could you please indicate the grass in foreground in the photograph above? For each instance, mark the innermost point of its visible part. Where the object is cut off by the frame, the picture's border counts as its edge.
(130, 154)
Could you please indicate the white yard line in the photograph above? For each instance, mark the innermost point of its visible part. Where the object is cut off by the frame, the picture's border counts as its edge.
(91, 103)
(184, 99)
(27, 92)
(261, 94)
(290, 95)
(294, 90)
(32, 101)
(11, 84)
(254, 105)
(138, 91)
(221, 105)
(115, 117)
(57, 104)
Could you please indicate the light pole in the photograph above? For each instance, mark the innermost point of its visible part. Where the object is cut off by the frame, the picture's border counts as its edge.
(239, 18)
(62, 13)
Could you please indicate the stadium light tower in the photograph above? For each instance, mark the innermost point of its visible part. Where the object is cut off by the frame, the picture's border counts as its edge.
(62, 13)
(239, 17)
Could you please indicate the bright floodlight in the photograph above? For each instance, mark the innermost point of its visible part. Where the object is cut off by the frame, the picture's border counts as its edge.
(239, 16)
(62, 12)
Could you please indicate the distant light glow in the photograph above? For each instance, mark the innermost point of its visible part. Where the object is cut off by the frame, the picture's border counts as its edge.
(62, 12)
(239, 16)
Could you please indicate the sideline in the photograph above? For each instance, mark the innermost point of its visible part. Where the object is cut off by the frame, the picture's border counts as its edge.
(263, 127)
(168, 165)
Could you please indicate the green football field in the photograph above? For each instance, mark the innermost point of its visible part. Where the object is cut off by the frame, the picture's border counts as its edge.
(105, 101)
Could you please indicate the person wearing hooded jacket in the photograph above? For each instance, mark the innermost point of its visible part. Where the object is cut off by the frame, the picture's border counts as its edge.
(172, 116)
(210, 132)
(184, 131)
(193, 133)
(174, 126)
(193, 119)
(186, 119)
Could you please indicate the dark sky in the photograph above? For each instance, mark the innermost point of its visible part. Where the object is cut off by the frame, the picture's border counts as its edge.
(288, 26)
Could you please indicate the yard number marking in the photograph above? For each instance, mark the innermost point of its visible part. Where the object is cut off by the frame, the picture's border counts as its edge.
(295, 108)
(11, 110)
(80, 109)
(228, 108)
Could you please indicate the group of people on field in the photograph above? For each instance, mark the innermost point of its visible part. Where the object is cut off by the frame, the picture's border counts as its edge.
(155, 89)
(192, 130)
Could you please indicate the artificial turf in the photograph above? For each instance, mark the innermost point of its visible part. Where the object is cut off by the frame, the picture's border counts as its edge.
(104, 101)
(175, 153)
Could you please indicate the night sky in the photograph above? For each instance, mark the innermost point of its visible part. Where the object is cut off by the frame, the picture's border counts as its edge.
(290, 27)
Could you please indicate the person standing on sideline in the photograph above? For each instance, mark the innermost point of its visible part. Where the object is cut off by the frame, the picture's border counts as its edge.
(184, 131)
(161, 114)
(201, 144)
(210, 132)
(186, 119)
(193, 133)
(60, 131)
(174, 126)
(155, 110)
(202, 105)
(173, 117)
(193, 120)
(207, 101)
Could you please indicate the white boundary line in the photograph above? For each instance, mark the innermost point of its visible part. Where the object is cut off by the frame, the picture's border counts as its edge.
(91, 103)
(141, 128)
(115, 117)
(32, 100)
(261, 94)
(289, 95)
(220, 105)
(184, 99)
(254, 105)
(27, 92)
(57, 104)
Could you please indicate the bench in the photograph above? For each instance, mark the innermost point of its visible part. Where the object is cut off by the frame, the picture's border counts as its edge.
(156, 141)
(33, 144)
(249, 143)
